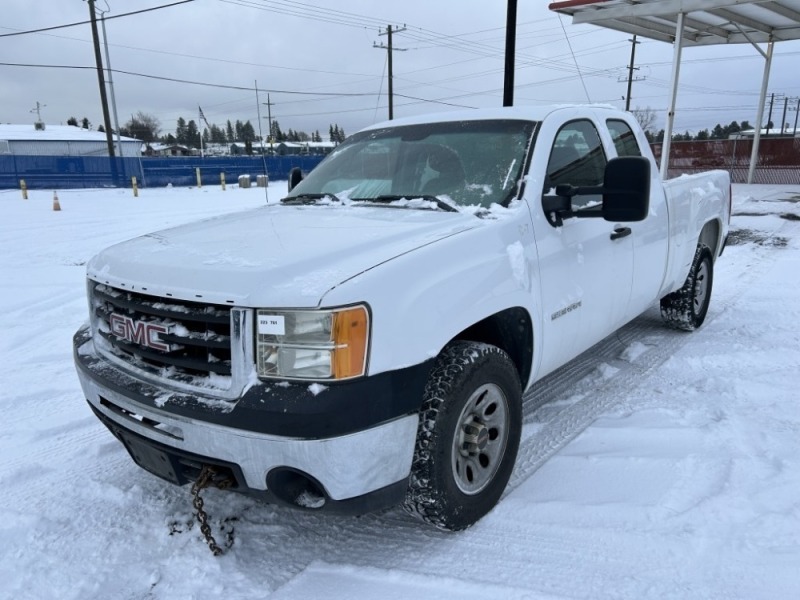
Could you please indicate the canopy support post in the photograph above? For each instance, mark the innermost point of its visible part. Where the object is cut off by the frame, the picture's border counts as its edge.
(676, 71)
(761, 101)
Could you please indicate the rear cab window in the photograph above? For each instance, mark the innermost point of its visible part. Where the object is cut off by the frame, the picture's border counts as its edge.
(624, 139)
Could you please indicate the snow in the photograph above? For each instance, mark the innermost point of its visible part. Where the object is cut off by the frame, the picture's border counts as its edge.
(54, 133)
(660, 464)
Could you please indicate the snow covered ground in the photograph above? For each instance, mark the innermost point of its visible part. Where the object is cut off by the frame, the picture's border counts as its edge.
(658, 465)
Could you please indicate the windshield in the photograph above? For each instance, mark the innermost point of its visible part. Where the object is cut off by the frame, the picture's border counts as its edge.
(468, 163)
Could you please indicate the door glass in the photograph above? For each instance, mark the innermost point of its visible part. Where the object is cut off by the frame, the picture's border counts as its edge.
(577, 158)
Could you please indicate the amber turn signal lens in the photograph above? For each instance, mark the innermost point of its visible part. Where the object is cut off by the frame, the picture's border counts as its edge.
(350, 338)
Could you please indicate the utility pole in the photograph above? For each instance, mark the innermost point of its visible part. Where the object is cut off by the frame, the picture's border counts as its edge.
(269, 119)
(111, 81)
(769, 117)
(631, 69)
(785, 108)
(101, 81)
(511, 48)
(390, 49)
(38, 111)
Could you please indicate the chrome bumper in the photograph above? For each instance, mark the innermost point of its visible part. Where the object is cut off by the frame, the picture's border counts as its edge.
(346, 466)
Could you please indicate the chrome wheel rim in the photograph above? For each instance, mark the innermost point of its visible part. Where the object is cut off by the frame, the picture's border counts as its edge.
(480, 439)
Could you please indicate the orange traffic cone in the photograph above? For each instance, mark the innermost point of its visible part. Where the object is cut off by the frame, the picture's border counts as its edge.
(56, 204)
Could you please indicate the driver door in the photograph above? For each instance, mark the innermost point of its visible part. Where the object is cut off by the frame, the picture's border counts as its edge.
(586, 264)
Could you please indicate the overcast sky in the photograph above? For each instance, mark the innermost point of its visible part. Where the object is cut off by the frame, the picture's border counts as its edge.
(450, 53)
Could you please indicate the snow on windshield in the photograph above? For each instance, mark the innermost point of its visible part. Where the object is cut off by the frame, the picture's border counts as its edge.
(471, 163)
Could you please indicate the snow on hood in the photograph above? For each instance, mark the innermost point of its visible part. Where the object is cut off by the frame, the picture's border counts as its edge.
(274, 256)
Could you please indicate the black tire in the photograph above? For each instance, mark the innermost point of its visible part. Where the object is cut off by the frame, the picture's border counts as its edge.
(468, 437)
(686, 309)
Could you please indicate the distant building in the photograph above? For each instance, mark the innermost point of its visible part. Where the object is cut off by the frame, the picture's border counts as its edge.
(288, 148)
(158, 149)
(748, 134)
(61, 140)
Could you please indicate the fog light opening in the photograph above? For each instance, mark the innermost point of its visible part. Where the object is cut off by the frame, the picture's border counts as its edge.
(296, 488)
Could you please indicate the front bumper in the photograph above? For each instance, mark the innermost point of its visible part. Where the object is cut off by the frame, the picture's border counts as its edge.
(355, 471)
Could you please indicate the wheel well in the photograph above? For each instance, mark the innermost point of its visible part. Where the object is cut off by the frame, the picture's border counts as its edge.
(710, 237)
(512, 331)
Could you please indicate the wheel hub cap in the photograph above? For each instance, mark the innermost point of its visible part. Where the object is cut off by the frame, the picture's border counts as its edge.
(479, 442)
(476, 437)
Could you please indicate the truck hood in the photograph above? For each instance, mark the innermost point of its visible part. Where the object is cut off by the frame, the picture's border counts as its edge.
(274, 256)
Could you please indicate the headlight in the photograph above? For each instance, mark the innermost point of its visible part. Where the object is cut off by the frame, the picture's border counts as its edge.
(313, 344)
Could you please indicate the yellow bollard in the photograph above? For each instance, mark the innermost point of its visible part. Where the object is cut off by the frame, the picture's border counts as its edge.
(222, 180)
(135, 187)
(199, 181)
(24, 187)
(56, 203)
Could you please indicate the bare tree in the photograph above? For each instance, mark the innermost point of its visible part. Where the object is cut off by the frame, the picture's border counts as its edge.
(142, 126)
(646, 117)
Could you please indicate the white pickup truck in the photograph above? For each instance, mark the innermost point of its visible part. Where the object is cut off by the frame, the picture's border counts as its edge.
(366, 342)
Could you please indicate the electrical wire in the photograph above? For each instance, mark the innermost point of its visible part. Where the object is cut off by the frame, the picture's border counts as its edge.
(136, 12)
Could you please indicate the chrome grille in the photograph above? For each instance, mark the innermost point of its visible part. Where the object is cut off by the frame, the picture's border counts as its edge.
(177, 339)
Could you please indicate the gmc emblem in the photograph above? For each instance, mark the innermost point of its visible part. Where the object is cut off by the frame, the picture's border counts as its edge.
(138, 332)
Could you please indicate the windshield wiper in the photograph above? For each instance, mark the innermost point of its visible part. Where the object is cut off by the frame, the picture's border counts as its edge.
(309, 198)
(389, 198)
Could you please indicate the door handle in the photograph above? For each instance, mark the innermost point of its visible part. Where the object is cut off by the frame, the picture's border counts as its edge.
(620, 232)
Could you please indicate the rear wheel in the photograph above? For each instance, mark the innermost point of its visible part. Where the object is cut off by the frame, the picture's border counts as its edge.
(468, 436)
(687, 308)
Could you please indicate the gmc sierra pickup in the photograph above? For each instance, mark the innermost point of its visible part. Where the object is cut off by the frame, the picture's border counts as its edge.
(366, 342)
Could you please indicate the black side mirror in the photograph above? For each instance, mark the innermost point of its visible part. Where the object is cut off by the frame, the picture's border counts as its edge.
(626, 189)
(295, 177)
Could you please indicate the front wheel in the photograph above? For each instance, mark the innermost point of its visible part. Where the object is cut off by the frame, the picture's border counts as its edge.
(468, 436)
(686, 308)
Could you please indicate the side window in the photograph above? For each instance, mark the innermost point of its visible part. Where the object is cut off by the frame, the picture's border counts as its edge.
(577, 158)
(623, 137)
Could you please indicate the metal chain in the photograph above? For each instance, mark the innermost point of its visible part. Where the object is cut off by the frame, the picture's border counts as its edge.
(204, 480)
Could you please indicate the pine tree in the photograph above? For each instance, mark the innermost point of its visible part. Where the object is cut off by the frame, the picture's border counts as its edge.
(72, 121)
(229, 132)
(192, 134)
(181, 133)
(336, 134)
(277, 134)
(248, 132)
(718, 133)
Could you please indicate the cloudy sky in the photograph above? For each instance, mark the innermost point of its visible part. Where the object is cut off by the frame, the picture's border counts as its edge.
(320, 66)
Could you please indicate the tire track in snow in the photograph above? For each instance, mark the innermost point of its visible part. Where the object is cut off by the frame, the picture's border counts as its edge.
(598, 395)
(279, 543)
(558, 409)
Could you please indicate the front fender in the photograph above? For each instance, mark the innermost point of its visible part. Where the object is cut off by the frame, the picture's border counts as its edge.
(422, 300)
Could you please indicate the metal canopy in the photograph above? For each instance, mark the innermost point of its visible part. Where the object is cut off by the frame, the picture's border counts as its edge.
(695, 23)
(706, 22)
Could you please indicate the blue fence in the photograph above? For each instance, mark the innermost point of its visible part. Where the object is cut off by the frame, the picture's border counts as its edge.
(65, 172)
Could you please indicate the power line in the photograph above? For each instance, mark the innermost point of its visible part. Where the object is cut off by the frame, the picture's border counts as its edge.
(190, 82)
(307, 11)
(136, 12)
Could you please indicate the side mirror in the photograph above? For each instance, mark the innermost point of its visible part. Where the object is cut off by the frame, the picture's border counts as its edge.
(626, 189)
(295, 177)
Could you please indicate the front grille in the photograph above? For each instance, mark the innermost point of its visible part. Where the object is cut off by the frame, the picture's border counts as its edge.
(176, 339)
